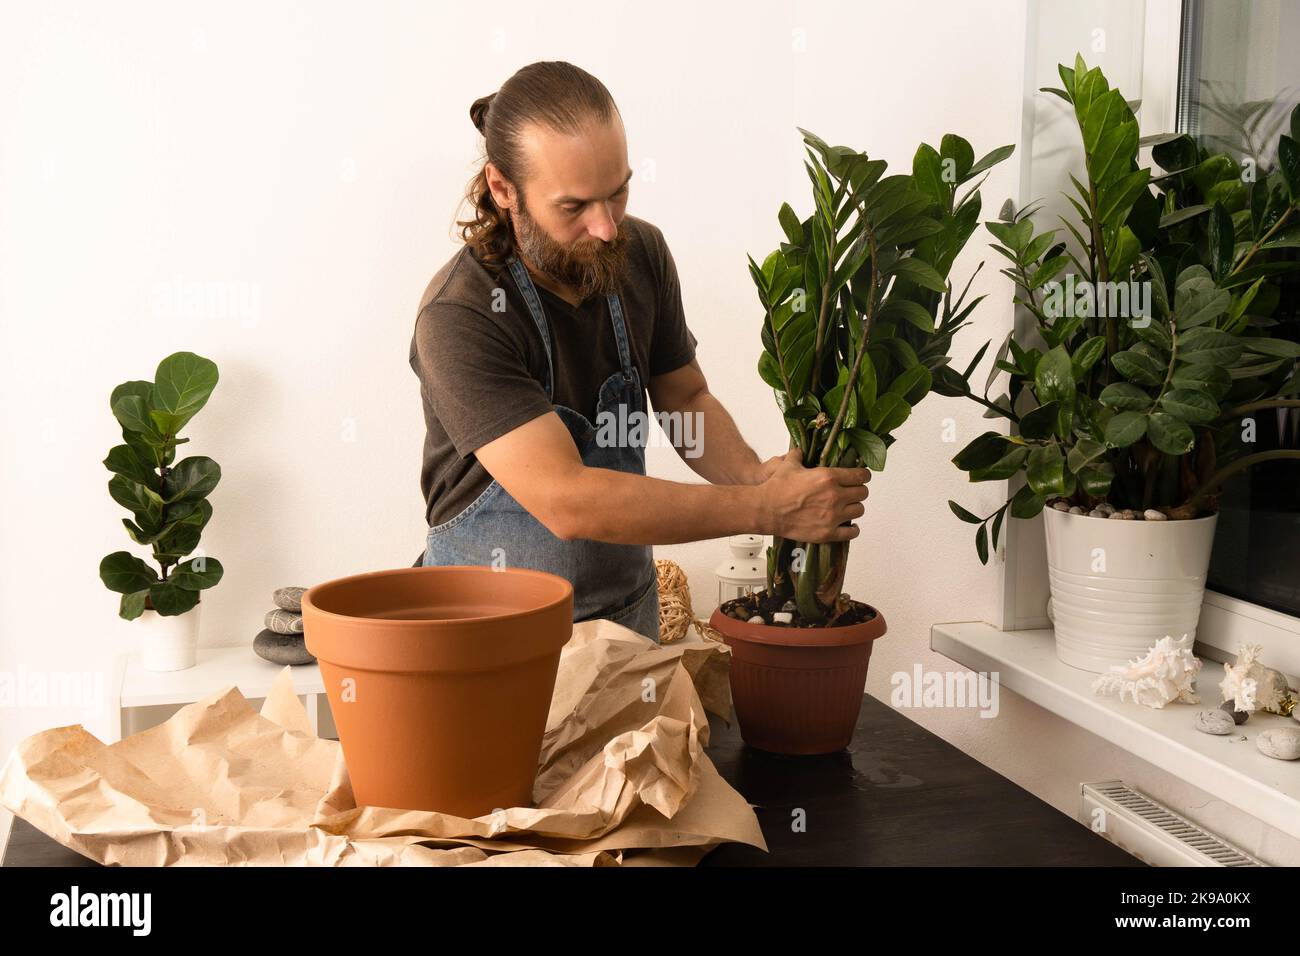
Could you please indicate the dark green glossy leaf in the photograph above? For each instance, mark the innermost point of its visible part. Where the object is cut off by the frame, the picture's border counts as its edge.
(182, 385)
(1219, 237)
(1125, 428)
(1138, 367)
(1169, 434)
(1040, 422)
(125, 573)
(1045, 470)
(197, 574)
(1204, 345)
(1189, 405)
(1004, 467)
(1125, 396)
(169, 599)
(981, 451)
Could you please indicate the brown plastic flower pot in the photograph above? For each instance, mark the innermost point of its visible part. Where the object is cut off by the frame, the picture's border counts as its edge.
(798, 690)
(440, 681)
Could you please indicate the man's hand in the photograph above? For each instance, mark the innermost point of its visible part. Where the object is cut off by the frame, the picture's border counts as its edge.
(813, 504)
(766, 469)
(538, 464)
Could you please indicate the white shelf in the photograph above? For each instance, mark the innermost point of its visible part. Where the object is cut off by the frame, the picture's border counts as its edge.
(216, 669)
(1227, 767)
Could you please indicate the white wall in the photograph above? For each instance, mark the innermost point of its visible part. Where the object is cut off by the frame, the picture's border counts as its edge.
(308, 159)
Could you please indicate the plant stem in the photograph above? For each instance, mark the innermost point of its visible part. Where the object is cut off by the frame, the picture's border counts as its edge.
(851, 385)
(1263, 239)
(1097, 255)
(997, 408)
(1262, 404)
(1227, 471)
(1169, 372)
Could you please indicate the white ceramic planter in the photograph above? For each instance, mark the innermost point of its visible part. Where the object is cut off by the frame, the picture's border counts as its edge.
(1119, 586)
(169, 642)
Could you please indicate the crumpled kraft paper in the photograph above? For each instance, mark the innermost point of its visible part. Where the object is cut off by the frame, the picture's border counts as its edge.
(623, 779)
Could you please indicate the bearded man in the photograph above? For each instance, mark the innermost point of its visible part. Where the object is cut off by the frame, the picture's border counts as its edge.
(562, 312)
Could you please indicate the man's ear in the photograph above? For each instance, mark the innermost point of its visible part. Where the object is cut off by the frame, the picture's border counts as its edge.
(503, 191)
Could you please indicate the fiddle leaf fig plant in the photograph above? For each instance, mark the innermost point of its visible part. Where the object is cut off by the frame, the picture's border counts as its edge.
(1157, 322)
(168, 502)
(858, 317)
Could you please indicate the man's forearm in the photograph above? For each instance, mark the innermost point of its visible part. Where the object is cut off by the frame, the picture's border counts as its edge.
(719, 453)
(621, 508)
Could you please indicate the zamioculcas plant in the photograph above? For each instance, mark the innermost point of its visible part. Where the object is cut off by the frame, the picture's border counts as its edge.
(1157, 322)
(858, 316)
(168, 503)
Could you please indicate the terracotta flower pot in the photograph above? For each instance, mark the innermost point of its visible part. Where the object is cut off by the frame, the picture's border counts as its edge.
(440, 680)
(798, 690)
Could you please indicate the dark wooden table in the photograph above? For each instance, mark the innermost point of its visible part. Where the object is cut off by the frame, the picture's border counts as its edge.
(899, 796)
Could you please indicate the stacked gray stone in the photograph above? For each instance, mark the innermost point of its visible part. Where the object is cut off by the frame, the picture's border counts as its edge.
(282, 641)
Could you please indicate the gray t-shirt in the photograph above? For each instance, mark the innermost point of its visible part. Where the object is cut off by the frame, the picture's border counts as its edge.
(481, 370)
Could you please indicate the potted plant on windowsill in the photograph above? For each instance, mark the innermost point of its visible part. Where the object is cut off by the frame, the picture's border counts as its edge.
(1159, 344)
(169, 505)
(858, 315)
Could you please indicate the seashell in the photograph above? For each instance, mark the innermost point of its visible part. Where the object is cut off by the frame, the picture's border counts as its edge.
(757, 619)
(1250, 685)
(1273, 688)
(1167, 672)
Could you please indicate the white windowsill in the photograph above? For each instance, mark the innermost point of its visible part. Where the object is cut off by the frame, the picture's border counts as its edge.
(1227, 767)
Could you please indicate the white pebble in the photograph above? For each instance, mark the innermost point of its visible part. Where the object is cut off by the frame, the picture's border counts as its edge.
(1215, 722)
(1152, 515)
(1076, 510)
(757, 619)
(782, 617)
(1281, 743)
(1060, 504)
(1096, 513)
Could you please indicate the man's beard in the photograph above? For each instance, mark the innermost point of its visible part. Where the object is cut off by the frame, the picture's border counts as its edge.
(592, 267)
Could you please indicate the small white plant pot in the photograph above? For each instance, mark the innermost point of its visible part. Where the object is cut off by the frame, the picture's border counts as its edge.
(1119, 586)
(169, 642)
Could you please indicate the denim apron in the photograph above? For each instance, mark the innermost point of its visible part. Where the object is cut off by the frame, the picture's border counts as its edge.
(614, 581)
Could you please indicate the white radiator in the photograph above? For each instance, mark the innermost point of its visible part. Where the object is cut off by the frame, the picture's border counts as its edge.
(1151, 831)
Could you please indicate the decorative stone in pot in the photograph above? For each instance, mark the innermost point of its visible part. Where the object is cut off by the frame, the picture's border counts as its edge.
(168, 642)
(440, 680)
(1119, 586)
(798, 690)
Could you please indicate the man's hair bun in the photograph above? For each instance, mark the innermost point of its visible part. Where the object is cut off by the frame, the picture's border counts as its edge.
(478, 111)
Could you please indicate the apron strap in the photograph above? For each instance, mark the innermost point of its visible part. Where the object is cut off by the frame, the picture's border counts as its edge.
(620, 336)
(525, 283)
(529, 292)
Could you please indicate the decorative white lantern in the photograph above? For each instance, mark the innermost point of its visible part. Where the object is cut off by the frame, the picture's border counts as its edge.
(746, 570)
